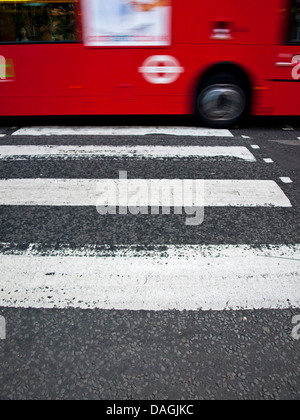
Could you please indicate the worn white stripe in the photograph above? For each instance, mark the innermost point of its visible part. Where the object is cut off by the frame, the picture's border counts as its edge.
(90, 192)
(177, 277)
(150, 152)
(122, 131)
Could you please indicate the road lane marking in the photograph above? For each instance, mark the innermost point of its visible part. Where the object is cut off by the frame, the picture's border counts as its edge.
(268, 160)
(2, 328)
(286, 180)
(122, 131)
(149, 152)
(221, 277)
(87, 192)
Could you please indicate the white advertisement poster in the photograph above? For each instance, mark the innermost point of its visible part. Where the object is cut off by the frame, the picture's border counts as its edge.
(127, 23)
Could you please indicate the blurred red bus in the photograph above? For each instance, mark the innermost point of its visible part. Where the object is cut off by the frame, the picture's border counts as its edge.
(219, 59)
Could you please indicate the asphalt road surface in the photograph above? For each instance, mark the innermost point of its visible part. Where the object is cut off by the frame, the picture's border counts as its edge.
(95, 304)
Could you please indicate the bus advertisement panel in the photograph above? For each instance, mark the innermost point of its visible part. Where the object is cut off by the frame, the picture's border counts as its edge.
(127, 23)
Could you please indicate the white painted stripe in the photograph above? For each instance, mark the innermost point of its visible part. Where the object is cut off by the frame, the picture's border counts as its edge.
(2, 135)
(2, 328)
(177, 277)
(286, 180)
(255, 146)
(268, 160)
(122, 131)
(150, 152)
(90, 192)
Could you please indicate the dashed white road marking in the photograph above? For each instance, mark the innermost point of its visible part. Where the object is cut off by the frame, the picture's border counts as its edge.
(150, 152)
(86, 192)
(176, 277)
(286, 180)
(122, 131)
(2, 328)
(268, 160)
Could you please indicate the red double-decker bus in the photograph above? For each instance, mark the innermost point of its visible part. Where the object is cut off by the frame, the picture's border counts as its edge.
(218, 59)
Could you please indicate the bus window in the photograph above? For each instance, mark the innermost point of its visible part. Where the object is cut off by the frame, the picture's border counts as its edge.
(294, 26)
(37, 21)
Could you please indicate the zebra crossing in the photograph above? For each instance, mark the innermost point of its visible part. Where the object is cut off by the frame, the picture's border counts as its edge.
(233, 260)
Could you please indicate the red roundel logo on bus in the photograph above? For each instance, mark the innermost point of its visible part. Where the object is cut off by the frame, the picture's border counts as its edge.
(161, 69)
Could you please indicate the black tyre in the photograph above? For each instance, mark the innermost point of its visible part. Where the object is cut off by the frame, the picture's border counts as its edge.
(221, 101)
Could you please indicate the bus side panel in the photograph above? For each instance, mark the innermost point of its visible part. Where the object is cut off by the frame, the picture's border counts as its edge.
(71, 79)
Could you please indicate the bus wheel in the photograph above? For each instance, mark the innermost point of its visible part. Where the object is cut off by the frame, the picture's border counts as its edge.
(221, 101)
